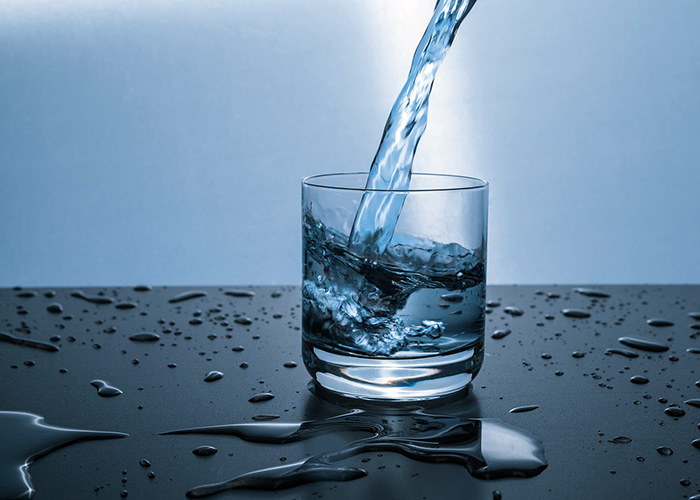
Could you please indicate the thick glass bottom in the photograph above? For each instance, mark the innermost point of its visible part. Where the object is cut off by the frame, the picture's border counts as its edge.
(393, 379)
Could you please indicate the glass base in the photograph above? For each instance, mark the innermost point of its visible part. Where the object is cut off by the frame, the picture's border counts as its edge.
(393, 379)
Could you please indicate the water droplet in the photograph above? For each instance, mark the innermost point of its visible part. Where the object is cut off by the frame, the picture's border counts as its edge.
(172, 365)
(640, 459)
(674, 411)
(622, 352)
(544, 355)
(693, 402)
(144, 463)
(694, 315)
(126, 305)
(513, 311)
(558, 373)
(195, 321)
(237, 348)
(499, 334)
(55, 308)
(693, 350)
(213, 375)
(290, 364)
(523, 409)
(685, 482)
(124, 494)
(145, 337)
(29, 363)
(575, 313)
(151, 474)
(492, 303)
(263, 396)
(27, 294)
(93, 299)
(37, 344)
(620, 440)
(577, 354)
(665, 451)
(243, 365)
(696, 443)
(143, 288)
(243, 321)
(104, 389)
(659, 322)
(589, 292)
(191, 294)
(639, 380)
(240, 293)
(205, 451)
(496, 495)
(265, 417)
(643, 344)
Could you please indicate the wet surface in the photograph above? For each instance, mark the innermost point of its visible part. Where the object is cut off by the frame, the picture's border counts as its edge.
(601, 433)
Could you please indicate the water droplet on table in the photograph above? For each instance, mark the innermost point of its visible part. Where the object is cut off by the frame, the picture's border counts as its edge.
(499, 334)
(37, 344)
(589, 292)
(205, 451)
(263, 396)
(213, 376)
(523, 409)
(620, 440)
(145, 337)
(93, 299)
(575, 313)
(104, 389)
(643, 344)
(55, 308)
(639, 380)
(513, 311)
(189, 295)
(240, 293)
(622, 352)
(659, 322)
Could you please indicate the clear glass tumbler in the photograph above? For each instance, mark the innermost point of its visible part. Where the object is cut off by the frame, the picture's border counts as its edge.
(406, 324)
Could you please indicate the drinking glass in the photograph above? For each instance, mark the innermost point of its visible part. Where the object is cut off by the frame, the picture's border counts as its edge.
(405, 323)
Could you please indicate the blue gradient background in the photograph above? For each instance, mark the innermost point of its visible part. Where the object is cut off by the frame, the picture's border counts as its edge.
(164, 142)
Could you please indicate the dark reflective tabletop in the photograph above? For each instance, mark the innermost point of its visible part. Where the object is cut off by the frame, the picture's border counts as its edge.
(604, 431)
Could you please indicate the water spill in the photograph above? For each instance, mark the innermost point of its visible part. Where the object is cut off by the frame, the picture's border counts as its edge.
(639, 380)
(659, 322)
(513, 311)
(589, 292)
(213, 376)
(263, 396)
(665, 451)
(620, 440)
(487, 448)
(55, 308)
(674, 411)
(37, 344)
(575, 313)
(93, 299)
(499, 334)
(145, 337)
(693, 402)
(104, 389)
(240, 293)
(523, 409)
(622, 352)
(24, 438)
(643, 344)
(191, 294)
(205, 451)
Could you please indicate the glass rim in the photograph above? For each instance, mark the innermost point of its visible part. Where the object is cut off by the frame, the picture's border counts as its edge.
(480, 184)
